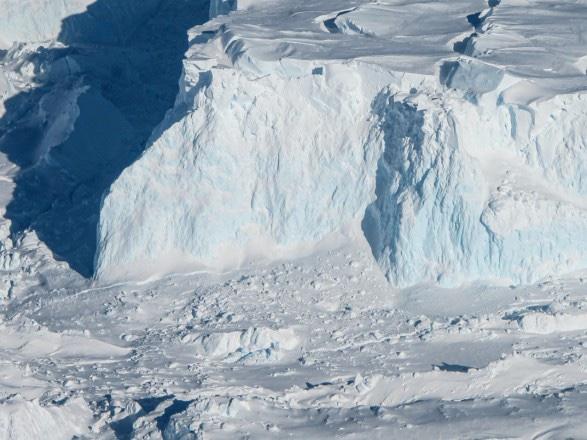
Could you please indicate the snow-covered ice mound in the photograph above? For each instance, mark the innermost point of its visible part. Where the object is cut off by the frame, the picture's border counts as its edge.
(79, 108)
(253, 345)
(545, 323)
(294, 122)
(24, 420)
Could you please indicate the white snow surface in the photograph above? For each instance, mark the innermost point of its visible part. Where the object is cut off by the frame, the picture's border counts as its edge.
(408, 122)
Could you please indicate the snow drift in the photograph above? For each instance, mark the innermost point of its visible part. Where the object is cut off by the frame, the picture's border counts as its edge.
(457, 169)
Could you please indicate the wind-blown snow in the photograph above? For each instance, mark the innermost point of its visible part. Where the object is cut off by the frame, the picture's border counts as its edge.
(453, 164)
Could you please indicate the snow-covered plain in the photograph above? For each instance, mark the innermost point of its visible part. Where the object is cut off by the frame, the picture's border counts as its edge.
(293, 219)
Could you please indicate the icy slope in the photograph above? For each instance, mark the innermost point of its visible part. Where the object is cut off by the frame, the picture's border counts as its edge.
(458, 160)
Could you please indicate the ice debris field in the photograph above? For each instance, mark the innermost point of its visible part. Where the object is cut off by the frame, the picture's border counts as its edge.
(310, 219)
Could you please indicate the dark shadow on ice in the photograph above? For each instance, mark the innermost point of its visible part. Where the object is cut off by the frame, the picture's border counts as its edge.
(331, 25)
(124, 428)
(453, 368)
(126, 56)
(401, 124)
(178, 406)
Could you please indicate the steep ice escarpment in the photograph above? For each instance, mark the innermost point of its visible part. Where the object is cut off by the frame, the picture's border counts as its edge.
(77, 110)
(467, 192)
(459, 161)
(253, 171)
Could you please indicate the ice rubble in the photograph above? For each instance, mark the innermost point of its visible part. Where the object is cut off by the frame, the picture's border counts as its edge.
(252, 345)
(459, 165)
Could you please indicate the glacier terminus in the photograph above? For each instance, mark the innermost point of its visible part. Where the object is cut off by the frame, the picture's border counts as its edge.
(258, 219)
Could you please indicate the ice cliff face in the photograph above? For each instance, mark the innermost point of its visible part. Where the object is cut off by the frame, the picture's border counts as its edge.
(459, 152)
(264, 178)
(479, 192)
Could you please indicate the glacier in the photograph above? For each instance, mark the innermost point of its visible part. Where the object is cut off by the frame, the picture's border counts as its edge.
(293, 219)
(456, 161)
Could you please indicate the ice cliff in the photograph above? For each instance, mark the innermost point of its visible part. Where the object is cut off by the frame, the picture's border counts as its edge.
(437, 129)
(78, 108)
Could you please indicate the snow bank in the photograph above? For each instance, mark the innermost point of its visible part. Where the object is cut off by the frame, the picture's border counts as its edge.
(23, 420)
(457, 169)
(504, 377)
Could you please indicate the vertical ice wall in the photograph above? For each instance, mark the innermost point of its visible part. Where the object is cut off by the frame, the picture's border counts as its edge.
(266, 163)
(456, 174)
(468, 192)
(252, 168)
